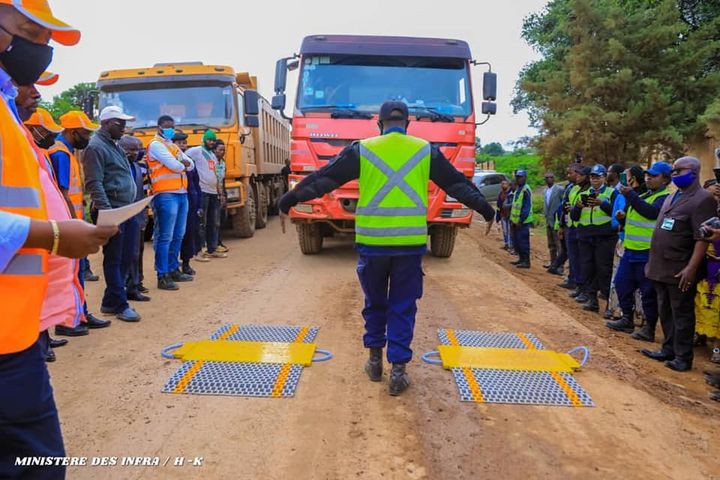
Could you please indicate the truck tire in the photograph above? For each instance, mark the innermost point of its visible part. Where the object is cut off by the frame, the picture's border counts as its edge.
(442, 241)
(261, 201)
(243, 222)
(310, 238)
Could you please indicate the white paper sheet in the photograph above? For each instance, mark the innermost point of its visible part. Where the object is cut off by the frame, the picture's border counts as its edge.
(116, 216)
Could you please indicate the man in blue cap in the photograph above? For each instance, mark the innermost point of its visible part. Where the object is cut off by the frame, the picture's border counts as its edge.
(639, 217)
(596, 238)
(393, 171)
(521, 218)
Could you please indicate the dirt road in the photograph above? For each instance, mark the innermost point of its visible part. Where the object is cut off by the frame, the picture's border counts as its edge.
(649, 421)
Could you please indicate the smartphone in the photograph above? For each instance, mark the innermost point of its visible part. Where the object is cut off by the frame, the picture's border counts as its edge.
(623, 179)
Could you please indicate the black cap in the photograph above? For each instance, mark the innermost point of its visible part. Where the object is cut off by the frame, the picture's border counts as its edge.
(179, 135)
(387, 109)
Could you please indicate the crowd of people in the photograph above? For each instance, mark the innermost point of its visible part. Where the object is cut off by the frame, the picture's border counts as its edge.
(644, 242)
(115, 171)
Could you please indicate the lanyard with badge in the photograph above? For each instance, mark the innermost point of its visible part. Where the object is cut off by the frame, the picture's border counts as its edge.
(668, 223)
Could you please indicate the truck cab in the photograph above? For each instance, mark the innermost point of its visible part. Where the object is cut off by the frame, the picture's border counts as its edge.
(342, 81)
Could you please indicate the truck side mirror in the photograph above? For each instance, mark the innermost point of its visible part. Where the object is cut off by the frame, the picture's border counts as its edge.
(252, 121)
(281, 67)
(251, 107)
(489, 108)
(489, 86)
(278, 102)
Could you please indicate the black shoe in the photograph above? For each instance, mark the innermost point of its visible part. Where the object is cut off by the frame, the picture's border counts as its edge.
(646, 333)
(374, 365)
(678, 365)
(89, 276)
(591, 305)
(399, 379)
(575, 293)
(78, 331)
(142, 288)
(712, 379)
(715, 396)
(523, 264)
(55, 343)
(515, 262)
(50, 355)
(555, 271)
(567, 285)
(166, 283)
(137, 297)
(582, 298)
(659, 356)
(608, 314)
(91, 321)
(179, 276)
(623, 325)
(187, 269)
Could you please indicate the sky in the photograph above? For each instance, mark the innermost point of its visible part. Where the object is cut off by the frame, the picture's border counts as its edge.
(251, 36)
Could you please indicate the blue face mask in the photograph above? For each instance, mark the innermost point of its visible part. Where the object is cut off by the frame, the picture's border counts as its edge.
(168, 133)
(684, 181)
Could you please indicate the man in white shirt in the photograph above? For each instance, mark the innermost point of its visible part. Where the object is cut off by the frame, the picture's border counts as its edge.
(205, 164)
(167, 165)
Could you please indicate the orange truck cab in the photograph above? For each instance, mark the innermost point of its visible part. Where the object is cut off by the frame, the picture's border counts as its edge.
(342, 81)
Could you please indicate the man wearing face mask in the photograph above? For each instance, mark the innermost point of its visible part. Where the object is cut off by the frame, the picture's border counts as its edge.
(393, 172)
(28, 97)
(676, 253)
(110, 182)
(43, 128)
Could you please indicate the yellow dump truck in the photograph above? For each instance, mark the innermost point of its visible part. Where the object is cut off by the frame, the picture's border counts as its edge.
(199, 97)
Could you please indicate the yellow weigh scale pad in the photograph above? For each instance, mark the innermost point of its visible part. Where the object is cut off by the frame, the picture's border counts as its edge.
(250, 352)
(533, 360)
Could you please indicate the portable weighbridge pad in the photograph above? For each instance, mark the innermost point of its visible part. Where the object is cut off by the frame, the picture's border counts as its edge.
(514, 368)
(244, 360)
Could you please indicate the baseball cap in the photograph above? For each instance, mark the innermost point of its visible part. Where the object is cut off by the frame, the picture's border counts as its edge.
(114, 112)
(78, 119)
(42, 118)
(521, 173)
(659, 168)
(387, 110)
(598, 170)
(47, 79)
(39, 12)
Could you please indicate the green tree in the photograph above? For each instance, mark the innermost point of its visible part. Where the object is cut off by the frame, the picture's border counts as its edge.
(619, 80)
(70, 99)
(494, 149)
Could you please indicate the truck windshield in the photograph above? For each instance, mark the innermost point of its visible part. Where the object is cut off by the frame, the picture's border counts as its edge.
(204, 105)
(363, 83)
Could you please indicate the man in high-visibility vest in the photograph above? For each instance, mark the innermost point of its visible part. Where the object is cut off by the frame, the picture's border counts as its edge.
(640, 216)
(596, 238)
(29, 425)
(394, 170)
(521, 218)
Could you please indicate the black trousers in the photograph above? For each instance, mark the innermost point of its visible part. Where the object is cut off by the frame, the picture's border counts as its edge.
(553, 242)
(677, 317)
(596, 263)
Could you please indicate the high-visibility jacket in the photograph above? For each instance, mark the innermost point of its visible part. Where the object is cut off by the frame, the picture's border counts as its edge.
(75, 187)
(573, 196)
(595, 215)
(162, 178)
(518, 200)
(639, 229)
(24, 281)
(394, 178)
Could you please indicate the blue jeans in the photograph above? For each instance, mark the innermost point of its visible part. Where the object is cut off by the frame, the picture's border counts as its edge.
(170, 211)
(507, 238)
(117, 257)
(392, 286)
(629, 277)
(29, 424)
(210, 221)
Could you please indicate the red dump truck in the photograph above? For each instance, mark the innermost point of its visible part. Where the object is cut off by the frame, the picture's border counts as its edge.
(343, 80)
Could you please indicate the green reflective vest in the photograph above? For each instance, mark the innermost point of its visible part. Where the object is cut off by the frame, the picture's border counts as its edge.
(572, 200)
(394, 178)
(595, 215)
(638, 229)
(517, 203)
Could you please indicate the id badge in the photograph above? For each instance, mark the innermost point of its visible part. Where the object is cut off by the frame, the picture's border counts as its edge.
(667, 224)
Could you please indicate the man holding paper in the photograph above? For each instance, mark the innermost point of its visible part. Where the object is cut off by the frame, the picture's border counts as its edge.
(110, 183)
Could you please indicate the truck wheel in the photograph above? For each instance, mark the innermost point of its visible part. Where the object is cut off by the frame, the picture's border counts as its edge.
(262, 206)
(243, 222)
(310, 238)
(442, 241)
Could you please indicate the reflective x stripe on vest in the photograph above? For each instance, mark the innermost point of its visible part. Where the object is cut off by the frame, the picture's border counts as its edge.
(517, 203)
(75, 190)
(595, 215)
(639, 229)
(163, 179)
(24, 280)
(394, 177)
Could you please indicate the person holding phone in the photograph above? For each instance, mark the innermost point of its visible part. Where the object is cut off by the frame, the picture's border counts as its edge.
(596, 238)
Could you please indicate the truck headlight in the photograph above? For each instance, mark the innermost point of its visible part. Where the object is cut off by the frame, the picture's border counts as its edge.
(461, 212)
(303, 208)
(233, 194)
